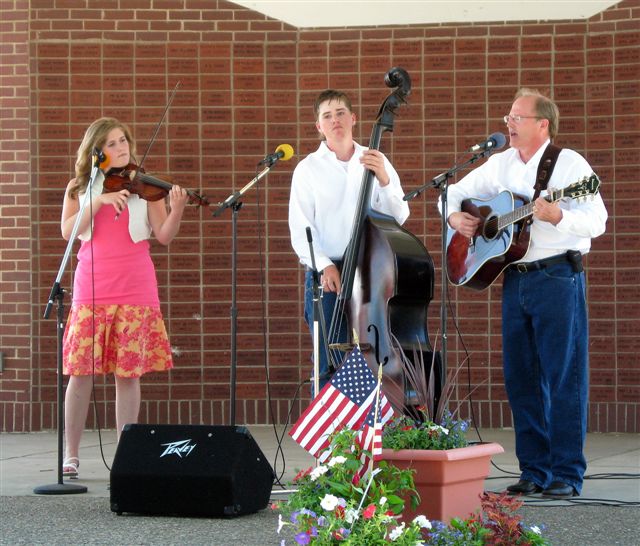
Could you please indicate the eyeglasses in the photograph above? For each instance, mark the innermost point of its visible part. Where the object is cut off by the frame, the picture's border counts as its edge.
(517, 119)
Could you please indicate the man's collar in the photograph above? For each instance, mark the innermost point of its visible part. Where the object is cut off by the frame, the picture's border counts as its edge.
(324, 149)
(535, 158)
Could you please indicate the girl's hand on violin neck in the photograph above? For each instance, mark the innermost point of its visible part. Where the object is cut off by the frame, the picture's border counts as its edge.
(374, 161)
(117, 198)
(166, 226)
(178, 198)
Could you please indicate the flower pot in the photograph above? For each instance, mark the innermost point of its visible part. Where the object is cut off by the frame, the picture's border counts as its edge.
(449, 481)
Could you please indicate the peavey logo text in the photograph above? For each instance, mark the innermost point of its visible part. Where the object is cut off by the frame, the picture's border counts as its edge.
(181, 448)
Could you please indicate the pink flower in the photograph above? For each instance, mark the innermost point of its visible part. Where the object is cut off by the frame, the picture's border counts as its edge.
(369, 511)
(302, 474)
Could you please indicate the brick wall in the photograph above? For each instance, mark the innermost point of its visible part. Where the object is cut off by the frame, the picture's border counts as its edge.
(246, 85)
(16, 228)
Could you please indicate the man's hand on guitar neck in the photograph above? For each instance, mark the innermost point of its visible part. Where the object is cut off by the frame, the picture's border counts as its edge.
(464, 223)
(547, 212)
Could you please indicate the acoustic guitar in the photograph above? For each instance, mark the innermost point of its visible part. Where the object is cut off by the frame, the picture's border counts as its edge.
(503, 235)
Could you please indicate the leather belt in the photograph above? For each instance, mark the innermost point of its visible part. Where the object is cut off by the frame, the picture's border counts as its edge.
(527, 267)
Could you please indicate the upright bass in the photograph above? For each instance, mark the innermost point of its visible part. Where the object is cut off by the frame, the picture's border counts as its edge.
(387, 277)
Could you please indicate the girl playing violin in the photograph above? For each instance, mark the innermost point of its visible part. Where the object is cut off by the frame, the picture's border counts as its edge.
(115, 324)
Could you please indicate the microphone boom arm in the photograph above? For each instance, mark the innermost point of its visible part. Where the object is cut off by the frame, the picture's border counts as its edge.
(234, 197)
(441, 179)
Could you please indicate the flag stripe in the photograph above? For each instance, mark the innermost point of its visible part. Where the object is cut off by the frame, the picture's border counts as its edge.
(349, 400)
(316, 413)
(351, 417)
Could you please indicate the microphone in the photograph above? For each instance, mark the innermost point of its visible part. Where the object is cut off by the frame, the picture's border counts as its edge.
(284, 152)
(494, 142)
(100, 159)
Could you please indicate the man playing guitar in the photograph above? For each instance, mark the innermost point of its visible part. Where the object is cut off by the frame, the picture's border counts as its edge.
(544, 311)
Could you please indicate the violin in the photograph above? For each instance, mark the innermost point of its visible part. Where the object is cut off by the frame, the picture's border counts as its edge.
(134, 179)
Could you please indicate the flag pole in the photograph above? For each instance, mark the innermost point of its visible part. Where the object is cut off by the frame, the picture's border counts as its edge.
(376, 411)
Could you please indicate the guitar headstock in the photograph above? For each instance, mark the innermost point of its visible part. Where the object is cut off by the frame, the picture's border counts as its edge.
(588, 185)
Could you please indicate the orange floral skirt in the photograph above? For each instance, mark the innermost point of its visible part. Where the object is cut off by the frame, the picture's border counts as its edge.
(127, 340)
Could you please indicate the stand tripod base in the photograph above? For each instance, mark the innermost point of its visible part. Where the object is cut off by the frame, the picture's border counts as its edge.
(60, 489)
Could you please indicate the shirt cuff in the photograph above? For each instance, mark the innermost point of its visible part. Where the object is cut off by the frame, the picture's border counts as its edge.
(321, 263)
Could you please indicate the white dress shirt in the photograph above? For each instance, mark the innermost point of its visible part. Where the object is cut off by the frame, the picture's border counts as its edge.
(324, 197)
(581, 221)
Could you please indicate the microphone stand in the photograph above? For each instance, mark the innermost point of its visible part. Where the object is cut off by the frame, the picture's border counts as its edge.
(318, 318)
(316, 314)
(441, 182)
(233, 202)
(57, 294)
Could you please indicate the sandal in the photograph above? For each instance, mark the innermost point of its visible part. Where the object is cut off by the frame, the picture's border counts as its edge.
(70, 467)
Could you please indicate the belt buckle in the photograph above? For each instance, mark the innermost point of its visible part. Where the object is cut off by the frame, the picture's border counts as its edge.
(521, 267)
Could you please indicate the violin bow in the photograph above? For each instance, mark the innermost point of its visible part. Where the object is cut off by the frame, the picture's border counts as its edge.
(155, 132)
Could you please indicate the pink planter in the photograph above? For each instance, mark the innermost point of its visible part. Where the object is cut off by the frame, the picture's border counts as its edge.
(449, 482)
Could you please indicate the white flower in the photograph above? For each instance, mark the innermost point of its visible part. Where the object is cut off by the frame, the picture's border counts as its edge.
(535, 529)
(329, 502)
(280, 523)
(350, 515)
(383, 500)
(337, 460)
(397, 532)
(422, 522)
(317, 472)
(441, 429)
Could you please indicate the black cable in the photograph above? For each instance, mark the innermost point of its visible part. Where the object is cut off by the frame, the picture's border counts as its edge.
(600, 476)
(279, 455)
(612, 476)
(576, 501)
(454, 319)
(93, 333)
(96, 414)
(279, 451)
(284, 428)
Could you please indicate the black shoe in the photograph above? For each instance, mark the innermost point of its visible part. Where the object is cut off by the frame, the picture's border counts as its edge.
(524, 487)
(559, 490)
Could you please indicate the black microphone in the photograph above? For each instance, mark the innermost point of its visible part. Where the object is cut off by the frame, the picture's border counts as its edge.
(284, 152)
(494, 142)
(99, 155)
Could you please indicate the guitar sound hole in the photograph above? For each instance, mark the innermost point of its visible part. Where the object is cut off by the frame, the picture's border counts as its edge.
(490, 229)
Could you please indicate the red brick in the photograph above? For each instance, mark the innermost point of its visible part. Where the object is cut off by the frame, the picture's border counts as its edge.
(217, 113)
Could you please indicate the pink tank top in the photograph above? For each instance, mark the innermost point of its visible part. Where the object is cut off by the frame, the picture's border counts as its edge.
(122, 271)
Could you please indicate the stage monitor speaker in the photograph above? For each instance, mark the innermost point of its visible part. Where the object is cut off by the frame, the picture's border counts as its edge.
(189, 470)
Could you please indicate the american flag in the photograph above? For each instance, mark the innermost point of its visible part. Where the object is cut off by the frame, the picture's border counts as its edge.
(347, 401)
(370, 437)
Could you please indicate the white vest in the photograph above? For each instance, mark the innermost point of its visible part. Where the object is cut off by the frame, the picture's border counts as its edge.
(139, 226)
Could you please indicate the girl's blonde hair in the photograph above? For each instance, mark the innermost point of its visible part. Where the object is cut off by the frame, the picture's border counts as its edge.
(95, 137)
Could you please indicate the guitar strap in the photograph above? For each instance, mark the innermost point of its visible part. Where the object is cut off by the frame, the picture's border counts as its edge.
(545, 170)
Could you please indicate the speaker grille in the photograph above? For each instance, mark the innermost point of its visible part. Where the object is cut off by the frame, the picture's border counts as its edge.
(192, 470)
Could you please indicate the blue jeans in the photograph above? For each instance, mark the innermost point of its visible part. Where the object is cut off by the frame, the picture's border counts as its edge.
(327, 301)
(546, 371)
